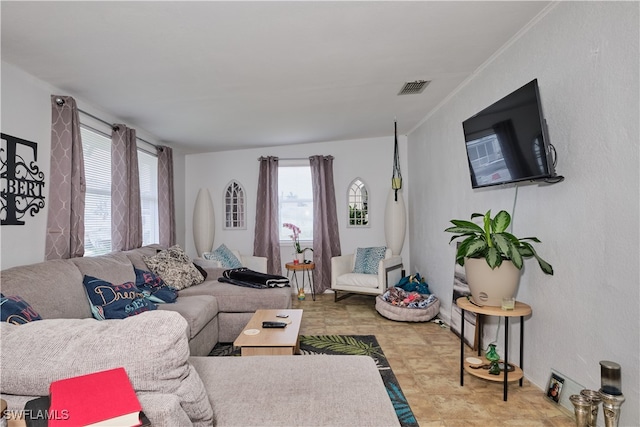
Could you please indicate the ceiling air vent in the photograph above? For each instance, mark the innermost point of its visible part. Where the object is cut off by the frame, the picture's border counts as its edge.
(413, 88)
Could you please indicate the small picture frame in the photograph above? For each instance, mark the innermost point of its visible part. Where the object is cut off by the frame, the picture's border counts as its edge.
(555, 387)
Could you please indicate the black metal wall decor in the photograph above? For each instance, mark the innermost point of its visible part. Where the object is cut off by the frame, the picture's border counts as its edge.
(21, 181)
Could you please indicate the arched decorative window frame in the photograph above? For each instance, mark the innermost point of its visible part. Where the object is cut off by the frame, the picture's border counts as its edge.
(242, 206)
(350, 201)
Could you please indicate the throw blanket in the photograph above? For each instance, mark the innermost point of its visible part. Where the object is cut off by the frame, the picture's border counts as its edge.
(253, 279)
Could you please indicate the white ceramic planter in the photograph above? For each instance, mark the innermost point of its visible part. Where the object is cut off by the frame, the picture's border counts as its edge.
(203, 222)
(488, 286)
(395, 222)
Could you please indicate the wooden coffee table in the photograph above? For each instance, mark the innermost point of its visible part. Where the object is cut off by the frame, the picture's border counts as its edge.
(254, 340)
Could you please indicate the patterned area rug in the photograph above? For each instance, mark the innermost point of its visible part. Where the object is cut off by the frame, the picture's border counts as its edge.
(348, 344)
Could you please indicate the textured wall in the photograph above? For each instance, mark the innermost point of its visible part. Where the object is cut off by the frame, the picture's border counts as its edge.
(585, 57)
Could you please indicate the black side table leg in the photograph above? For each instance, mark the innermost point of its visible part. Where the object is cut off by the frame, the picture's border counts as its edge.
(522, 348)
(312, 285)
(480, 325)
(506, 355)
(461, 347)
(295, 278)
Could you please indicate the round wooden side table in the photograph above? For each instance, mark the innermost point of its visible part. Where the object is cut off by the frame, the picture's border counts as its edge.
(307, 267)
(520, 310)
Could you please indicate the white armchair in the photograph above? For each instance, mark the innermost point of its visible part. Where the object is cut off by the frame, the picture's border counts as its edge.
(343, 279)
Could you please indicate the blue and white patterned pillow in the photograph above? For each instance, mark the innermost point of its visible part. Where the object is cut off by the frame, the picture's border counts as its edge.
(224, 256)
(367, 259)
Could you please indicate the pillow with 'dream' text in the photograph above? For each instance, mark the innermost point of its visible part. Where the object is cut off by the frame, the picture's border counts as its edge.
(109, 301)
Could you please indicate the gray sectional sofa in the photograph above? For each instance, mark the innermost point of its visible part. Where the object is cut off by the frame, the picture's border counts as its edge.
(162, 352)
(215, 312)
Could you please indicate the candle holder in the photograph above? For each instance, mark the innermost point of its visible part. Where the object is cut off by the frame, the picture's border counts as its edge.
(611, 407)
(582, 405)
(595, 399)
(611, 392)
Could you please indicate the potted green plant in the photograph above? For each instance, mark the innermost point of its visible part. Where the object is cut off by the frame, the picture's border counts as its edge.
(482, 252)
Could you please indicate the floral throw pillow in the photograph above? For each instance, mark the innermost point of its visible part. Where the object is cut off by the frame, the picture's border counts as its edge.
(175, 268)
(155, 287)
(224, 256)
(367, 259)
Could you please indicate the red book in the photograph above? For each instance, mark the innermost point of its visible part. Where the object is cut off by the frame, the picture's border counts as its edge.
(103, 398)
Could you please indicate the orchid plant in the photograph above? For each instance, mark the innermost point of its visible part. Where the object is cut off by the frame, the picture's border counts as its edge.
(295, 237)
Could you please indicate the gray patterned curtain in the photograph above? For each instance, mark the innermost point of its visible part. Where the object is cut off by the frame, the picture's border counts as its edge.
(126, 215)
(326, 237)
(267, 238)
(67, 187)
(166, 205)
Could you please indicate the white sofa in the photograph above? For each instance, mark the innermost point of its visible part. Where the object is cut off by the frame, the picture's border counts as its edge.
(343, 279)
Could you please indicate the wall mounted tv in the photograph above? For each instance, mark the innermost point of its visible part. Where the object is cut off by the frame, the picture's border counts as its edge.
(507, 142)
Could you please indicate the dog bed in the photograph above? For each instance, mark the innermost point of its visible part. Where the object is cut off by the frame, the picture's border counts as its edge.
(406, 314)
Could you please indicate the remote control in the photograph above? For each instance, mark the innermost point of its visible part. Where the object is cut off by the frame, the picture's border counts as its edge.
(273, 324)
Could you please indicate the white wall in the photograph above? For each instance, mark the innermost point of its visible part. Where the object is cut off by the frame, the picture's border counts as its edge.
(26, 114)
(585, 57)
(369, 159)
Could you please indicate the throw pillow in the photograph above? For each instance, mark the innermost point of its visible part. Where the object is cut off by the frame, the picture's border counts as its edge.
(224, 256)
(367, 259)
(110, 301)
(200, 269)
(174, 267)
(14, 309)
(153, 348)
(153, 285)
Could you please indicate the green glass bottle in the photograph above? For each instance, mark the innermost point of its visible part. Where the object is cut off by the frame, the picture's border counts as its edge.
(492, 354)
(494, 368)
(493, 357)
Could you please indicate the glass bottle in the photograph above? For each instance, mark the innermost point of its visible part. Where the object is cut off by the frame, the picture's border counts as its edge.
(493, 357)
(492, 354)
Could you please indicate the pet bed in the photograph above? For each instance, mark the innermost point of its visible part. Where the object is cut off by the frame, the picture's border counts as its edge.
(406, 313)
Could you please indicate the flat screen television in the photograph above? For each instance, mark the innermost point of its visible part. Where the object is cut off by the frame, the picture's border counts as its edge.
(507, 142)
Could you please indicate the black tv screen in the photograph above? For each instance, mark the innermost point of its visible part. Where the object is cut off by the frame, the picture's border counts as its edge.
(507, 141)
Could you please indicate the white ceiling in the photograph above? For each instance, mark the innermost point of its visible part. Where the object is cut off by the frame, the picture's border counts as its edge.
(211, 76)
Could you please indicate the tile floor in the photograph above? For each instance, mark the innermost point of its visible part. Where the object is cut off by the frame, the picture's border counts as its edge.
(425, 359)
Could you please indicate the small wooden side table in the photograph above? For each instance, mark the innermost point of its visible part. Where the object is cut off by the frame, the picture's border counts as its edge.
(303, 267)
(520, 310)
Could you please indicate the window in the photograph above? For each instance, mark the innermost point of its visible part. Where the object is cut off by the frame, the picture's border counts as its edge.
(96, 146)
(96, 149)
(234, 207)
(295, 200)
(148, 171)
(358, 204)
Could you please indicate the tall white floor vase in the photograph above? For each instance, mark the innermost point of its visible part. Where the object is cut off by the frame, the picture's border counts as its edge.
(395, 222)
(203, 222)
